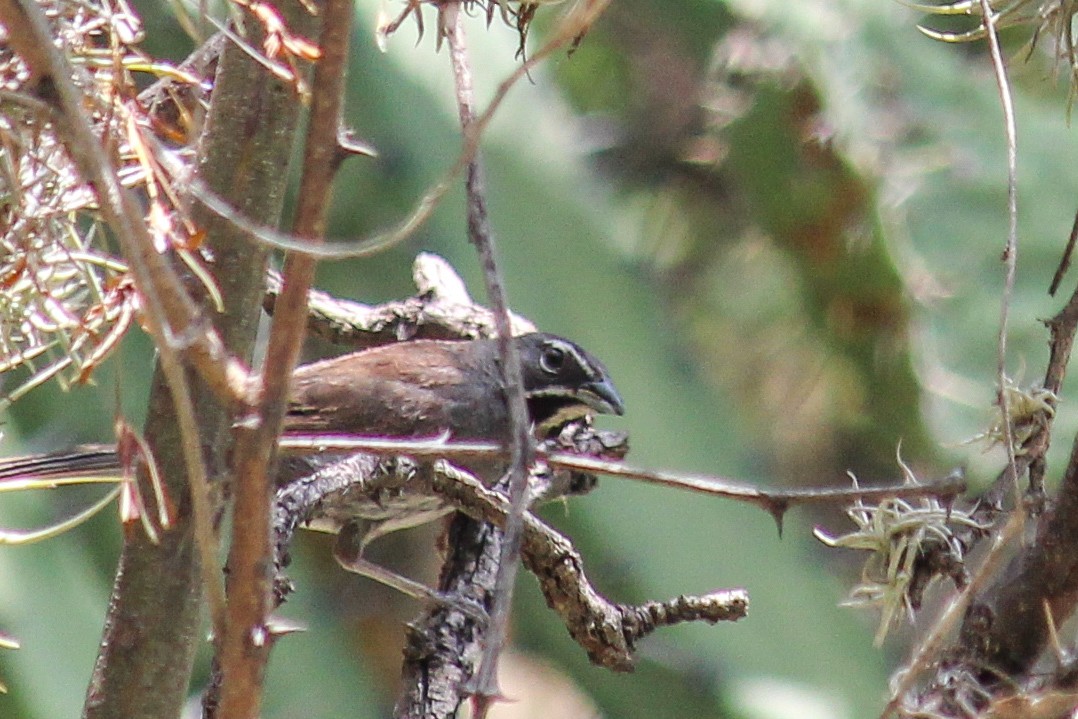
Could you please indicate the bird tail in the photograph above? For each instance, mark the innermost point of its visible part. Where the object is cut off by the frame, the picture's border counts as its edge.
(90, 460)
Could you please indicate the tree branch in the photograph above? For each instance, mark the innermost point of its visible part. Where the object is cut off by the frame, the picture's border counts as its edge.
(245, 647)
(246, 141)
(521, 446)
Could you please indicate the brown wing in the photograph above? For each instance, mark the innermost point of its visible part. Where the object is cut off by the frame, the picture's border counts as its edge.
(403, 390)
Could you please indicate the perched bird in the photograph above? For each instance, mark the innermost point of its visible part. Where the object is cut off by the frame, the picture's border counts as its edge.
(421, 388)
(428, 387)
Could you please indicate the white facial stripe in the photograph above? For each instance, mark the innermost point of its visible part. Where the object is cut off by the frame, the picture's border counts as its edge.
(581, 360)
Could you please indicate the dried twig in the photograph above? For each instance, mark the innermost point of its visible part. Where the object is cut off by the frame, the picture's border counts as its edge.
(573, 25)
(1065, 259)
(168, 311)
(607, 631)
(1010, 252)
(243, 655)
(484, 684)
(774, 501)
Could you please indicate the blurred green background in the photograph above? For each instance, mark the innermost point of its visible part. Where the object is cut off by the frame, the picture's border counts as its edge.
(779, 224)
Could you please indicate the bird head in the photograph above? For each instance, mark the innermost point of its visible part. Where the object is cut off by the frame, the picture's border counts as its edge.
(562, 381)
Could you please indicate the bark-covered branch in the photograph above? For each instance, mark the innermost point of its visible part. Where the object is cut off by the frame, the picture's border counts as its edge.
(246, 139)
(443, 646)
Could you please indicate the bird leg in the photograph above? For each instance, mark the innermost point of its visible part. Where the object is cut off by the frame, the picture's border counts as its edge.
(348, 551)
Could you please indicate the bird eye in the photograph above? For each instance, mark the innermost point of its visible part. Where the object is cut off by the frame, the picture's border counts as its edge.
(552, 359)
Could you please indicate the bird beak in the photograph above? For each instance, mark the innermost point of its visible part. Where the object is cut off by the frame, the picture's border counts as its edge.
(602, 397)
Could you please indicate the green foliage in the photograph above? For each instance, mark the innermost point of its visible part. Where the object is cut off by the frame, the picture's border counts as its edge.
(780, 226)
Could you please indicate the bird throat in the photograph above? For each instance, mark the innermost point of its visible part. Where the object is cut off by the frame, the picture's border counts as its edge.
(551, 412)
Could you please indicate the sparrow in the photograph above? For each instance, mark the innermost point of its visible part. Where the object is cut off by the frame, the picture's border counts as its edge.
(432, 387)
(419, 388)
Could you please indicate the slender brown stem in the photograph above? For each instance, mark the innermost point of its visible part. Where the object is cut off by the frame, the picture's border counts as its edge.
(571, 27)
(521, 448)
(1010, 252)
(169, 313)
(245, 647)
(1065, 260)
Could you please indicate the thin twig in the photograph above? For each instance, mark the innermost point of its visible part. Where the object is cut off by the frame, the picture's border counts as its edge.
(1065, 260)
(101, 461)
(168, 312)
(521, 446)
(1010, 252)
(771, 500)
(244, 648)
(572, 25)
